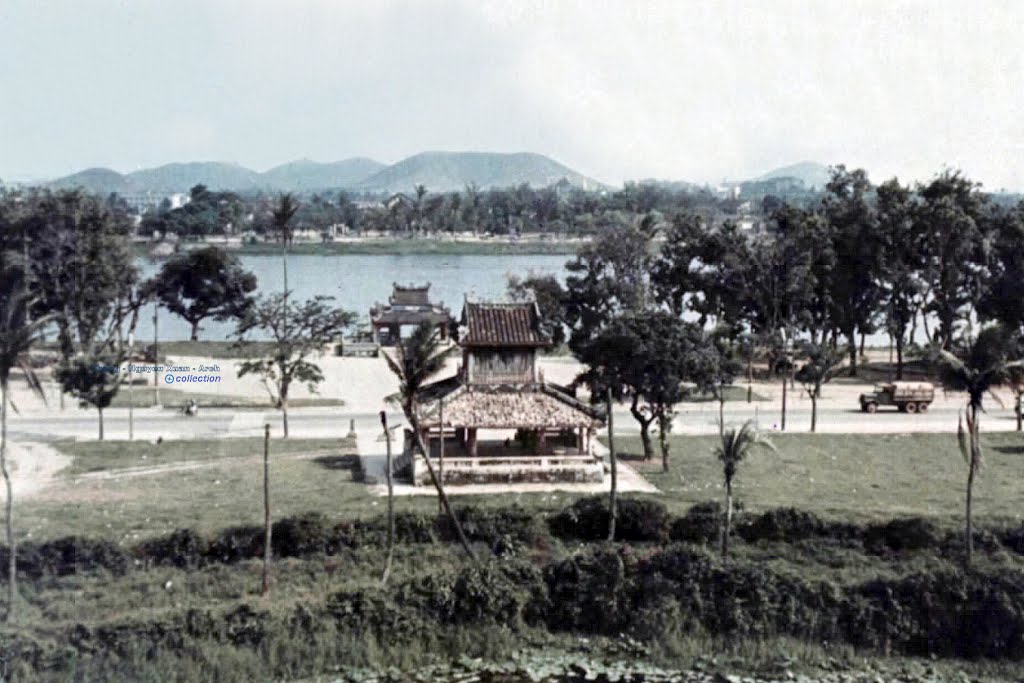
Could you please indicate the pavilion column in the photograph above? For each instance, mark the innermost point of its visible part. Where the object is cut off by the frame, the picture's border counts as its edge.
(471, 442)
(396, 334)
(540, 441)
(579, 440)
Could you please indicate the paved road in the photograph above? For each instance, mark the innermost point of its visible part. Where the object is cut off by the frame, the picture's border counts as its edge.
(151, 423)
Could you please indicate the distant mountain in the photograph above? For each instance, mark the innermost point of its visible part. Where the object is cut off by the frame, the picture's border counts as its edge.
(452, 171)
(811, 173)
(97, 181)
(215, 175)
(306, 175)
(438, 171)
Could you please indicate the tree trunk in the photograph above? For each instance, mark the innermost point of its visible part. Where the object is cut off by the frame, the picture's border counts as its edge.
(814, 412)
(100, 411)
(440, 452)
(645, 427)
(195, 331)
(721, 411)
(612, 509)
(728, 517)
(969, 530)
(750, 379)
(268, 548)
(664, 424)
(782, 425)
(852, 348)
(414, 424)
(284, 409)
(899, 357)
(12, 545)
(1017, 410)
(391, 500)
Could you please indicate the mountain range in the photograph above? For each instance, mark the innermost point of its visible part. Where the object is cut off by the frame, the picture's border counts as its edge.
(437, 171)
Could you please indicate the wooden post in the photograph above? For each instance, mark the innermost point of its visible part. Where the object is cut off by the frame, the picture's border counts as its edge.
(612, 511)
(156, 354)
(440, 460)
(267, 548)
(391, 497)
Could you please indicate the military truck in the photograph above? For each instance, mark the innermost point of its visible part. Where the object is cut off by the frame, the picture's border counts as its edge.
(908, 397)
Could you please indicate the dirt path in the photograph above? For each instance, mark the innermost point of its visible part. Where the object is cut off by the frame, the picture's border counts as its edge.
(34, 467)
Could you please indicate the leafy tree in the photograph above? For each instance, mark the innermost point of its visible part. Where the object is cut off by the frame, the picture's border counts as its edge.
(952, 219)
(283, 212)
(550, 296)
(417, 359)
(734, 447)
(852, 270)
(900, 281)
(819, 369)
(297, 334)
(644, 359)
(204, 283)
(17, 336)
(977, 369)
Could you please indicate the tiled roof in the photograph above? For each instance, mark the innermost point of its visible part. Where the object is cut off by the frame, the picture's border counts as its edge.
(528, 407)
(502, 324)
(410, 296)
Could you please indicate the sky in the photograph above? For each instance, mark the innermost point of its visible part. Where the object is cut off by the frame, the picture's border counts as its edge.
(684, 90)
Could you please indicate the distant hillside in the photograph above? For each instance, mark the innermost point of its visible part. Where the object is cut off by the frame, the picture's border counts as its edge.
(452, 171)
(98, 181)
(305, 175)
(811, 173)
(215, 175)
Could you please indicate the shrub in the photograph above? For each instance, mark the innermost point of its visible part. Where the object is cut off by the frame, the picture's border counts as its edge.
(300, 536)
(911, 533)
(68, 555)
(1014, 539)
(702, 524)
(784, 524)
(410, 527)
(638, 520)
(590, 592)
(183, 548)
(507, 525)
(236, 543)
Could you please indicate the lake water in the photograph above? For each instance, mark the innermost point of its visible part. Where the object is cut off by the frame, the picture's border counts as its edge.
(357, 282)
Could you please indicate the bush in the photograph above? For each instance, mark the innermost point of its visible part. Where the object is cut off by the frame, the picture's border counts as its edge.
(183, 548)
(1014, 539)
(302, 535)
(513, 525)
(236, 543)
(66, 556)
(702, 524)
(410, 527)
(911, 533)
(638, 520)
(590, 592)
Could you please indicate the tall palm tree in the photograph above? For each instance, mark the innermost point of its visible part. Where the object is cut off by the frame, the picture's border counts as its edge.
(17, 335)
(983, 366)
(419, 358)
(736, 445)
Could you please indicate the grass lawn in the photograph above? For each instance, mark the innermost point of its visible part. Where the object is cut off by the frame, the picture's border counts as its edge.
(101, 456)
(853, 477)
(214, 349)
(145, 397)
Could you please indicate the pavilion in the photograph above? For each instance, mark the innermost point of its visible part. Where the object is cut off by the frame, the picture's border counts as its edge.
(498, 418)
(407, 306)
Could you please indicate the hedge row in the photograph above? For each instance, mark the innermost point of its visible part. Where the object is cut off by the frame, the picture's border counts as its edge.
(505, 530)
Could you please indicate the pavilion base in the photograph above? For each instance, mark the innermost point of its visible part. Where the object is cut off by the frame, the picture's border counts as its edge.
(541, 469)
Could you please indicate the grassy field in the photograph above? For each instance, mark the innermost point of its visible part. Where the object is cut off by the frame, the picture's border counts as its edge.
(214, 349)
(145, 397)
(851, 477)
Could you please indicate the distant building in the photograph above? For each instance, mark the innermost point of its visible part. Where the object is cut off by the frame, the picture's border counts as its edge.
(407, 307)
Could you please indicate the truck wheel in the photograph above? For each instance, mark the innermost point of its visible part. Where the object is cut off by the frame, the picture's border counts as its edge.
(911, 408)
(922, 407)
(871, 408)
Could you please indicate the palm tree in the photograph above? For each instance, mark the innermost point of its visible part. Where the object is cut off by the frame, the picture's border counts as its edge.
(735, 447)
(17, 335)
(419, 358)
(983, 366)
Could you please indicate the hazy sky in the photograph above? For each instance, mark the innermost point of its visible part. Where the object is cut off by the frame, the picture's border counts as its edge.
(684, 90)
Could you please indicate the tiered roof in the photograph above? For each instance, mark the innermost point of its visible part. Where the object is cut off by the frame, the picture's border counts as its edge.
(502, 324)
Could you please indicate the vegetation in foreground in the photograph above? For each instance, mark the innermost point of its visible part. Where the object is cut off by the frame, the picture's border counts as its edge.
(184, 607)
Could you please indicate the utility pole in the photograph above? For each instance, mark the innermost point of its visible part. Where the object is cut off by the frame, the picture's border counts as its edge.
(156, 353)
(440, 460)
(131, 389)
(612, 509)
(267, 548)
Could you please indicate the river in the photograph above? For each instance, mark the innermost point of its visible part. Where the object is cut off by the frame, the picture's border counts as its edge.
(359, 281)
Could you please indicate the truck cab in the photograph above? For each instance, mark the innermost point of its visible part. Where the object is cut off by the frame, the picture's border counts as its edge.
(907, 397)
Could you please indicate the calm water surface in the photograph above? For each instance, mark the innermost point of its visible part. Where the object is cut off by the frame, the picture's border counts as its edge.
(357, 282)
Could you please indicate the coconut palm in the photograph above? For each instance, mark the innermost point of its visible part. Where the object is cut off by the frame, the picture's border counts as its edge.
(417, 359)
(17, 335)
(736, 445)
(983, 366)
